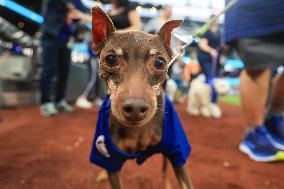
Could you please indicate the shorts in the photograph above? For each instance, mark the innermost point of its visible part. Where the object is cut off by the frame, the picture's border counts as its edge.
(266, 52)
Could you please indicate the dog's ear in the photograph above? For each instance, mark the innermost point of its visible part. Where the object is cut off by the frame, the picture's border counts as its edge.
(167, 28)
(102, 28)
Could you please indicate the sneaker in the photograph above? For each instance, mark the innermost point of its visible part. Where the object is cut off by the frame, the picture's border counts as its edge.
(63, 106)
(275, 128)
(82, 102)
(257, 146)
(48, 109)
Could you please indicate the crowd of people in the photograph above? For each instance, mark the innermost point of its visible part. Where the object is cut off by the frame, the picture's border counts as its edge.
(258, 40)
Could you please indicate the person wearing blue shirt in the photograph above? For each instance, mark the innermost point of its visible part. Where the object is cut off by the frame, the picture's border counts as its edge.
(256, 29)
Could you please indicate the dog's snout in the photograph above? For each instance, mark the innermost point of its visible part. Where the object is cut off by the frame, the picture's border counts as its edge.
(135, 109)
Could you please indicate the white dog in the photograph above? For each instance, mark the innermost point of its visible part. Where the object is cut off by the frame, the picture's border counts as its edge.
(171, 88)
(199, 97)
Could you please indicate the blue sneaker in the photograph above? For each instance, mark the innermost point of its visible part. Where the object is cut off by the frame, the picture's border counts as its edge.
(275, 128)
(257, 146)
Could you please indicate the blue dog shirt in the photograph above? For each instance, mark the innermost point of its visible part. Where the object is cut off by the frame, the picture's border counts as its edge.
(174, 144)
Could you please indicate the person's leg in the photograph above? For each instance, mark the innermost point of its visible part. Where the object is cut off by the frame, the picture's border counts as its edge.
(214, 94)
(49, 59)
(255, 80)
(82, 100)
(62, 72)
(206, 68)
(253, 93)
(277, 105)
(62, 77)
(93, 79)
(49, 55)
(274, 118)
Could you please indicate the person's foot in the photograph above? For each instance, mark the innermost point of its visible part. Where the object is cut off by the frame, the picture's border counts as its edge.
(48, 109)
(275, 128)
(257, 146)
(82, 102)
(63, 106)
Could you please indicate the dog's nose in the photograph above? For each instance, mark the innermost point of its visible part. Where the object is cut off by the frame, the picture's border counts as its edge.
(135, 109)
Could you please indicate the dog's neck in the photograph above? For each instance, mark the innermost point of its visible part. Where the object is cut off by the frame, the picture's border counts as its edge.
(132, 140)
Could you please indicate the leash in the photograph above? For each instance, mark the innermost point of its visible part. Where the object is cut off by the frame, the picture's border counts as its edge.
(200, 32)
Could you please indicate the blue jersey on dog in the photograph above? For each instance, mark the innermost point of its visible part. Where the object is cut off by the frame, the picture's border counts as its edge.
(174, 144)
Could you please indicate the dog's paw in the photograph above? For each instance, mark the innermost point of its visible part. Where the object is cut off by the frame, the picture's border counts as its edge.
(102, 176)
(205, 111)
(192, 111)
(167, 184)
(215, 111)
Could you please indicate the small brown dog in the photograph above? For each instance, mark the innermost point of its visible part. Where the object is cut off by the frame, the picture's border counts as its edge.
(136, 120)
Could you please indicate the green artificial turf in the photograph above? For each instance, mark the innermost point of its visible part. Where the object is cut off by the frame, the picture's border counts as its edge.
(233, 100)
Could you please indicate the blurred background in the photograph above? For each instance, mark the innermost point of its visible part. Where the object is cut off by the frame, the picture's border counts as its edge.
(45, 143)
(20, 62)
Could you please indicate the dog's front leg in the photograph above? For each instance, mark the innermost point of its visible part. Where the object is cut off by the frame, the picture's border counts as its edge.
(165, 173)
(115, 180)
(183, 177)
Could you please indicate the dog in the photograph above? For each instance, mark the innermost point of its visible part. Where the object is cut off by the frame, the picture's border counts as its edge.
(136, 119)
(171, 89)
(200, 94)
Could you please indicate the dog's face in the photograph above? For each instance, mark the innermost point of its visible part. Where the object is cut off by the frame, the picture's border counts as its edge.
(133, 64)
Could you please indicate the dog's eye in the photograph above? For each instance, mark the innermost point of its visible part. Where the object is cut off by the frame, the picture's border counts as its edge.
(111, 60)
(160, 63)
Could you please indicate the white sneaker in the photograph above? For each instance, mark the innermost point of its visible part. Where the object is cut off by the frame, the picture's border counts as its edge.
(82, 102)
(48, 109)
(63, 106)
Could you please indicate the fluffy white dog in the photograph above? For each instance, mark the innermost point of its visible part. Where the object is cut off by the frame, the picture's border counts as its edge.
(171, 88)
(199, 97)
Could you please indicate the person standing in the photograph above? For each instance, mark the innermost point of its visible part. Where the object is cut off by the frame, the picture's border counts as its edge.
(124, 15)
(207, 54)
(56, 31)
(256, 29)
